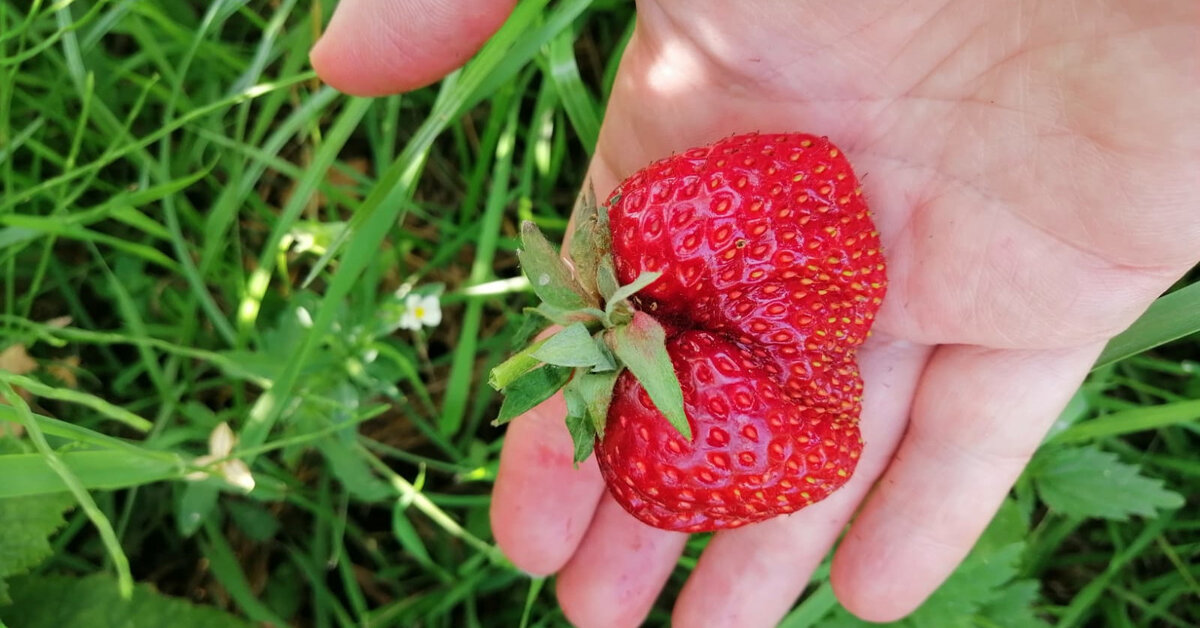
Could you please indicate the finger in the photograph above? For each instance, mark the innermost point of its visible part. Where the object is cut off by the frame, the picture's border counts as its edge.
(752, 576)
(541, 503)
(620, 567)
(977, 419)
(377, 47)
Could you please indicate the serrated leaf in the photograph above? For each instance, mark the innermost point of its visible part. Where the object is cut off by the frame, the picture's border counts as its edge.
(573, 346)
(590, 241)
(983, 579)
(531, 389)
(583, 433)
(1009, 525)
(1013, 606)
(547, 272)
(976, 582)
(641, 347)
(58, 601)
(26, 524)
(630, 289)
(1088, 482)
(596, 390)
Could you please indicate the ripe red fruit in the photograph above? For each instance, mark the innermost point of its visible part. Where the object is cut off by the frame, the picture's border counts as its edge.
(755, 452)
(770, 266)
(709, 331)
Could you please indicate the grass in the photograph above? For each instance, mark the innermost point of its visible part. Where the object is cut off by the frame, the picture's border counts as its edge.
(194, 231)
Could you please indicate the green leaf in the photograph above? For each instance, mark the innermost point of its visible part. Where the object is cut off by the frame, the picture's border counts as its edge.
(530, 389)
(641, 347)
(630, 289)
(573, 346)
(408, 536)
(253, 520)
(606, 278)
(195, 505)
(1088, 482)
(26, 524)
(596, 390)
(352, 471)
(57, 601)
(532, 324)
(562, 317)
(982, 576)
(1077, 409)
(1009, 525)
(1169, 318)
(981, 591)
(976, 582)
(1013, 607)
(583, 433)
(590, 241)
(547, 272)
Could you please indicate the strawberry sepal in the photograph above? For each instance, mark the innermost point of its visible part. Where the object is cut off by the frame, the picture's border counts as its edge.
(602, 334)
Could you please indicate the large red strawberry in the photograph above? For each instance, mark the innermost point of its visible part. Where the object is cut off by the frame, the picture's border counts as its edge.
(712, 352)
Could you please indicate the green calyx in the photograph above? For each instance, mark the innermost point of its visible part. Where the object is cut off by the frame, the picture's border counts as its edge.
(601, 334)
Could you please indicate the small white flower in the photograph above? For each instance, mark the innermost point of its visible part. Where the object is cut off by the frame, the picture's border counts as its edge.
(420, 310)
(220, 445)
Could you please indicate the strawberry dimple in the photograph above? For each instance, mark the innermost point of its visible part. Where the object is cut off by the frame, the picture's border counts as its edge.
(775, 245)
(772, 274)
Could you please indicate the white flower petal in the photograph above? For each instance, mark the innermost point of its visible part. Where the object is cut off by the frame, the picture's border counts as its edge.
(238, 474)
(430, 311)
(221, 441)
(409, 320)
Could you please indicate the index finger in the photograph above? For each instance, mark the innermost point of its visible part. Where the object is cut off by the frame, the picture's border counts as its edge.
(379, 47)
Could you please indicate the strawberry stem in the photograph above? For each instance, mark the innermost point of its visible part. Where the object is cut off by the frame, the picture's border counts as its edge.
(519, 364)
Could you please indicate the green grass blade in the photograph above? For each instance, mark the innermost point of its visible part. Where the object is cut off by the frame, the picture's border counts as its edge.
(305, 187)
(460, 381)
(1085, 602)
(225, 567)
(581, 107)
(1169, 318)
(105, 408)
(92, 470)
(1131, 421)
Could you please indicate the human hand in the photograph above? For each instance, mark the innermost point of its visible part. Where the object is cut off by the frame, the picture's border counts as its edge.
(1032, 171)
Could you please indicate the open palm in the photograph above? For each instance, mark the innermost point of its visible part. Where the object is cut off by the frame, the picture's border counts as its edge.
(1032, 170)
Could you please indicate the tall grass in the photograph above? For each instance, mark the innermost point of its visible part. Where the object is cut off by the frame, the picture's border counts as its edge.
(195, 232)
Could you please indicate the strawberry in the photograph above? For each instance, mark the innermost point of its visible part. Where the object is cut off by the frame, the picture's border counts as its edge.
(755, 454)
(718, 298)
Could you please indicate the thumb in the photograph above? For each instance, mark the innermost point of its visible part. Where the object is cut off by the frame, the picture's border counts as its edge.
(377, 47)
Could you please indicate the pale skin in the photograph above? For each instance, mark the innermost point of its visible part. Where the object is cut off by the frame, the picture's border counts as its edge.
(1033, 170)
